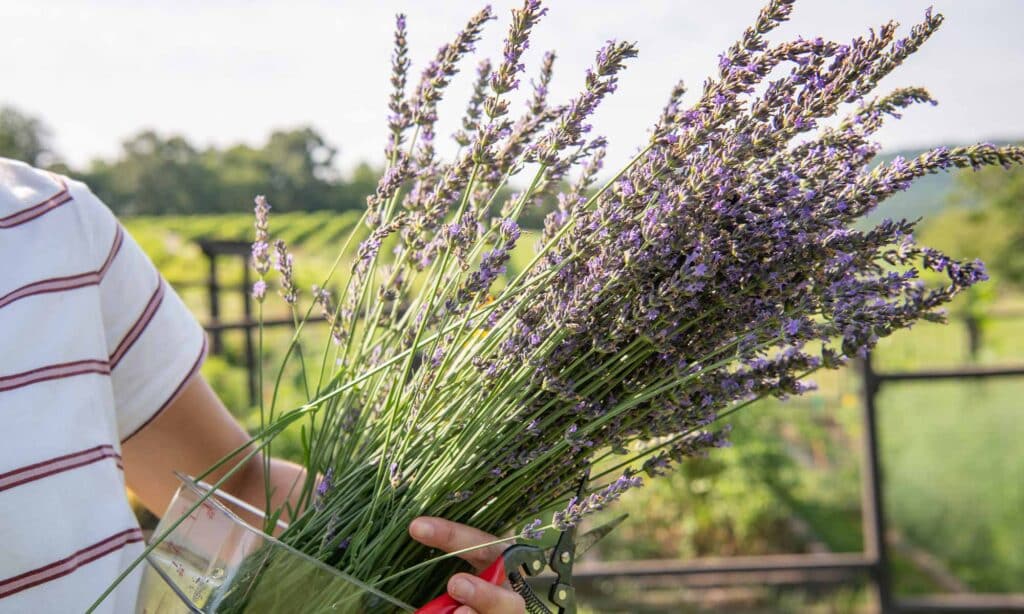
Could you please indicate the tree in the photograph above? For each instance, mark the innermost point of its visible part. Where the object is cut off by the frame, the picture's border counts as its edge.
(995, 199)
(300, 168)
(155, 175)
(294, 168)
(24, 137)
(241, 173)
(362, 182)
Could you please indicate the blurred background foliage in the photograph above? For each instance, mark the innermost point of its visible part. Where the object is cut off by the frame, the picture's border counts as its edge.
(791, 481)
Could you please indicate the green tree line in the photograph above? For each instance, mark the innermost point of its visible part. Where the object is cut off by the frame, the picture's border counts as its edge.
(154, 174)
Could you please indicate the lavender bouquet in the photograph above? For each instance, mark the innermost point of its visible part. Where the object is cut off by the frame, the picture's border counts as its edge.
(719, 266)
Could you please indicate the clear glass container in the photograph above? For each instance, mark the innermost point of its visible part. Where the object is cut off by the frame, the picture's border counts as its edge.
(215, 562)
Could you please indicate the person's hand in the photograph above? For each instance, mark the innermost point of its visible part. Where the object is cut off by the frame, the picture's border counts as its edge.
(476, 595)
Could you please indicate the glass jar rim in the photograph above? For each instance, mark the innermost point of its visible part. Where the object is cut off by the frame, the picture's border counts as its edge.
(202, 488)
(218, 497)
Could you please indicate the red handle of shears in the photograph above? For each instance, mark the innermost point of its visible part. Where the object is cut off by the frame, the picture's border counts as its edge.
(495, 574)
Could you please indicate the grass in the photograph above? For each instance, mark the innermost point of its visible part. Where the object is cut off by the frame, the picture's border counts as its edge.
(955, 475)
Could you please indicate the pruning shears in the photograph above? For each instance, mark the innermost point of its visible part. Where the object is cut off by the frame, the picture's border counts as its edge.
(521, 560)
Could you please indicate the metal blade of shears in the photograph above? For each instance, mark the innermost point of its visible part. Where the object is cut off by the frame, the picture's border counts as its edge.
(589, 539)
(562, 593)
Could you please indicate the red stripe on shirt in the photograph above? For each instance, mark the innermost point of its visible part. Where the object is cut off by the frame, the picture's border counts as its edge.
(70, 282)
(67, 565)
(114, 249)
(105, 367)
(42, 469)
(27, 215)
(51, 372)
(140, 325)
(177, 391)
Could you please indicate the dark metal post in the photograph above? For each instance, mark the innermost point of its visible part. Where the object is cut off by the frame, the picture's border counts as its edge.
(973, 336)
(212, 288)
(250, 348)
(872, 501)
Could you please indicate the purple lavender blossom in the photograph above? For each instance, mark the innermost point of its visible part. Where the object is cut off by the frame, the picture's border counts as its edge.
(325, 483)
(439, 72)
(531, 530)
(260, 247)
(284, 263)
(437, 357)
(259, 290)
(601, 81)
(323, 488)
(399, 117)
(322, 297)
(261, 256)
(504, 78)
(459, 496)
(578, 508)
(509, 231)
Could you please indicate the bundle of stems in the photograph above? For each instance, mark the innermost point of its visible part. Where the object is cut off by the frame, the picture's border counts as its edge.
(719, 266)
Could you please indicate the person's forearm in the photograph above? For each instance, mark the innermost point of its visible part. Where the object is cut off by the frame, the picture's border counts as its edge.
(192, 433)
(286, 480)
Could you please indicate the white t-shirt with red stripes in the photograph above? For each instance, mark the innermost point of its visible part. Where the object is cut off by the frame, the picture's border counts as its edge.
(94, 345)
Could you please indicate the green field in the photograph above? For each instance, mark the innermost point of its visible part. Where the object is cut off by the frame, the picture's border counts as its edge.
(951, 451)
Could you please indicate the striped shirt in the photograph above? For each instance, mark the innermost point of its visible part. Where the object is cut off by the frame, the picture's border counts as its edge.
(94, 345)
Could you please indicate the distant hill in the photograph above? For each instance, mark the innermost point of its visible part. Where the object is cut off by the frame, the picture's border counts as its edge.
(926, 196)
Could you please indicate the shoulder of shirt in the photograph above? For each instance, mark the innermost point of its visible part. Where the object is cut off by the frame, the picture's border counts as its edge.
(23, 186)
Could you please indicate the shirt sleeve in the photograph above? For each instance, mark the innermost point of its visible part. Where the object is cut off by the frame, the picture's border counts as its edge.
(154, 343)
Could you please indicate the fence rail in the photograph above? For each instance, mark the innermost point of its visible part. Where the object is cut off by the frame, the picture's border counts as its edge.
(796, 569)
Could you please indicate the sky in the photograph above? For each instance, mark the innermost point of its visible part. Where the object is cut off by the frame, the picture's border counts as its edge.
(225, 71)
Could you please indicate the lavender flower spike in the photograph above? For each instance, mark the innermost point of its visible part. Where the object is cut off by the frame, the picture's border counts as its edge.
(260, 247)
(531, 531)
(259, 290)
(577, 509)
(505, 77)
(324, 487)
(283, 262)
